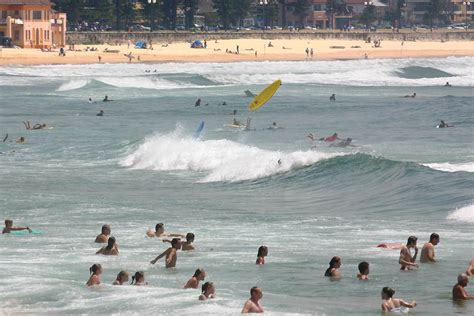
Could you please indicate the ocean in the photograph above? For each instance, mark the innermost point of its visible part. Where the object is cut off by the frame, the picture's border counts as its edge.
(140, 164)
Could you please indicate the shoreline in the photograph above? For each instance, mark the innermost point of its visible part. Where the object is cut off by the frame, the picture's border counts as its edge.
(250, 50)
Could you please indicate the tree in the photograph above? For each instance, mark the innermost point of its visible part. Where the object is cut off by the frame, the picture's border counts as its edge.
(74, 9)
(190, 8)
(225, 10)
(283, 6)
(169, 10)
(301, 10)
(242, 8)
(368, 15)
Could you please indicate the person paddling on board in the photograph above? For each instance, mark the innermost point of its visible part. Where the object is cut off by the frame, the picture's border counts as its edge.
(9, 227)
(410, 96)
(106, 99)
(344, 143)
(198, 102)
(332, 97)
(101, 113)
(331, 138)
(443, 124)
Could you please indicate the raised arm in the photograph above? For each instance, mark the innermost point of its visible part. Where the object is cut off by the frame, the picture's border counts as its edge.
(21, 228)
(160, 256)
(410, 305)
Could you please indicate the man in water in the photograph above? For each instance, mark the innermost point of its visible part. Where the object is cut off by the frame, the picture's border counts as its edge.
(106, 99)
(90, 101)
(274, 126)
(331, 138)
(443, 124)
(406, 259)
(170, 253)
(160, 232)
(252, 305)
(344, 143)
(188, 244)
(101, 113)
(410, 96)
(427, 252)
(459, 291)
(21, 140)
(447, 84)
(332, 97)
(198, 102)
(193, 282)
(470, 269)
(103, 237)
(9, 227)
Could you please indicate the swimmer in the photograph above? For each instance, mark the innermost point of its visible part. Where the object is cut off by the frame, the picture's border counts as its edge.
(236, 122)
(95, 271)
(274, 126)
(344, 143)
(198, 102)
(332, 97)
(110, 250)
(122, 277)
(333, 270)
(331, 138)
(443, 124)
(406, 259)
(391, 304)
(363, 271)
(106, 99)
(410, 96)
(170, 253)
(103, 237)
(262, 253)
(427, 252)
(311, 137)
(459, 291)
(208, 291)
(470, 268)
(21, 140)
(447, 84)
(90, 101)
(224, 103)
(252, 305)
(160, 232)
(279, 162)
(9, 227)
(395, 246)
(139, 279)
(188, 244)
(101, 113)
(193, 282)
(40, 126)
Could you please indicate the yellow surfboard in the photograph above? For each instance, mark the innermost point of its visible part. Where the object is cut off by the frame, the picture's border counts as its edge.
(264, 96)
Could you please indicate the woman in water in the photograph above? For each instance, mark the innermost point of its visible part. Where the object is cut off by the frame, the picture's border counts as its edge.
(333, 270)
(391, 304)
(208, 291)
(122, 277)
(95, 271)
(109, 250)
(262, 253)
(139, 279)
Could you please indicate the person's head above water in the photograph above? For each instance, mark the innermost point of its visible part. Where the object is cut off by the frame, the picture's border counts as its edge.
(176, 243)
(189, 237)
(387, 293)
(274, 123)
(106, 229)
(364, 268)
(463, 279)
(335, 262)
(95, 269)
(138, 277)
(200, 274)
(110, 243)
(8, 223)
(207, 286)
(262, 251)
(160, 227)
(412, 241)
(434, 238)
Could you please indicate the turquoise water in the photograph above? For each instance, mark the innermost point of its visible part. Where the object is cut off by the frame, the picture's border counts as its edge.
(140, 165)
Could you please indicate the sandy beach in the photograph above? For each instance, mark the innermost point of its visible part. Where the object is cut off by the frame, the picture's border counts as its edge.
(250, 50)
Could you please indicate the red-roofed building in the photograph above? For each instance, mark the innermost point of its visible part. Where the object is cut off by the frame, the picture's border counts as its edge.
(32, 23)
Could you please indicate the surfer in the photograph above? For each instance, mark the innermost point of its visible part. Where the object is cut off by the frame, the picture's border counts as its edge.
(447, 84)
(274, 126)
(333, 270)
(122, 277)
(198, 102)
(40, 126)
(139, 279)
(208, 291)
(332, 97)
(427, 252)
(279, 162)
(406, 259)
(252, 305)
(331, 138)
(106, 99)
(103, 237)
(410, 96)
(391, 304)
(160, 232)
(9, 227)
(363, 271)
(236, 122)
(170, 253)
(21, 140)
(344, 143)
(90, 101)
(470, 268)
(459, 291)
(110, 250)
(101, 113)
(95, 271)
(193, 282)
(262, 250)
(443, 124)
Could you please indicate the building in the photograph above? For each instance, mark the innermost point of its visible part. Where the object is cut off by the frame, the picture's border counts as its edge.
(462, 12)
(32, 23)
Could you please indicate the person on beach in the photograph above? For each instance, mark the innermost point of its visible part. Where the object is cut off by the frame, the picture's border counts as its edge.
(160, 232)
(470, 268)
(332, 97)
(9, 227)
(95, 271)
(459, 291)
(252, 305)
(170, 253)
(427, 252)
(193, 282)
(391, 304)
(363, 271)
(100, 58)
(311, 53)
(333, 270)
(307, 52)
(110, 250)
(262, 253)
(121, 279)
(208, 291)
(103, 237)
(406, 259)
(331, 138)
(138, 279)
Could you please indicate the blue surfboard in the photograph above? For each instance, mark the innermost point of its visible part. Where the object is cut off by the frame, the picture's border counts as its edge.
(199, 130)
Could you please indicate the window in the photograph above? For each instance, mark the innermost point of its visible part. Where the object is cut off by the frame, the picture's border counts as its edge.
(16, 35)
(319, 7)
(4, 14)
(37, 15)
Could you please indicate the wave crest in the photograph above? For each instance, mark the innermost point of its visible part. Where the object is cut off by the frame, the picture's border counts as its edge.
(448, 167)
(463, 214)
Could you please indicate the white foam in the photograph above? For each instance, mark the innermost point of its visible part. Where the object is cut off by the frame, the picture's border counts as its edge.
(448, 167)
(463, 214)
(73, 85)
(142, 82)
(222, 160)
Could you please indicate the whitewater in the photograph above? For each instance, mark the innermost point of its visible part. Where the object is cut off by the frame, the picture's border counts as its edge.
(236, 189)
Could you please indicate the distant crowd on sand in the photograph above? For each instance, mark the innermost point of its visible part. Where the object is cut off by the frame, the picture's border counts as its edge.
(180, 242)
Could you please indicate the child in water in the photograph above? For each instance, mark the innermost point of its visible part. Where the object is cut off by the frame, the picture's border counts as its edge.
(9, 227)
(139, 279)
(95, 271)
(208, 291)
(122, 277)
(262, 253)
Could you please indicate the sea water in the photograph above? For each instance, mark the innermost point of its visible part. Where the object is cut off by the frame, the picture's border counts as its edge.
(139, 165)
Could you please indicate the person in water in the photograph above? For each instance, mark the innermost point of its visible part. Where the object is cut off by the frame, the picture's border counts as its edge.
(331, 138)
(138, 279)
(103, 237)
(110, 250)
(106, 99)
(101, 113)
(198, 102)
(411, 95)
(160, 232)
(121, 279)
(332, 97)
(391, 304)
(262, 253)
(406, 260)
(21, 140)
(252, 305)
(274, 126)
(236, 122)
(208, 291)
(344, 143)
(188, 244)
(90, 101)
(427, 252)
(470, 268)
(443, 124)
(363, 271)
(334, 266)
(447, 84)
(9, 227)
(95, 271)
(459, 291)
(170, 253)
(193, 282)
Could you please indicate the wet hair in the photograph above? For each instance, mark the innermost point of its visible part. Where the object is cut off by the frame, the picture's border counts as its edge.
(159, 226)
(253, 290)
(411, 240)
(205, 286)
(104, 227)
(94, 268)
(121, 274)
(332, 265)
(462, 277)
(110, 243)
(198, 272)
(388, 291)
(138, 275)
(8, 222)
(189, 237)
(261, 250)
(175, 242)
(363, 266)
(434, 236)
